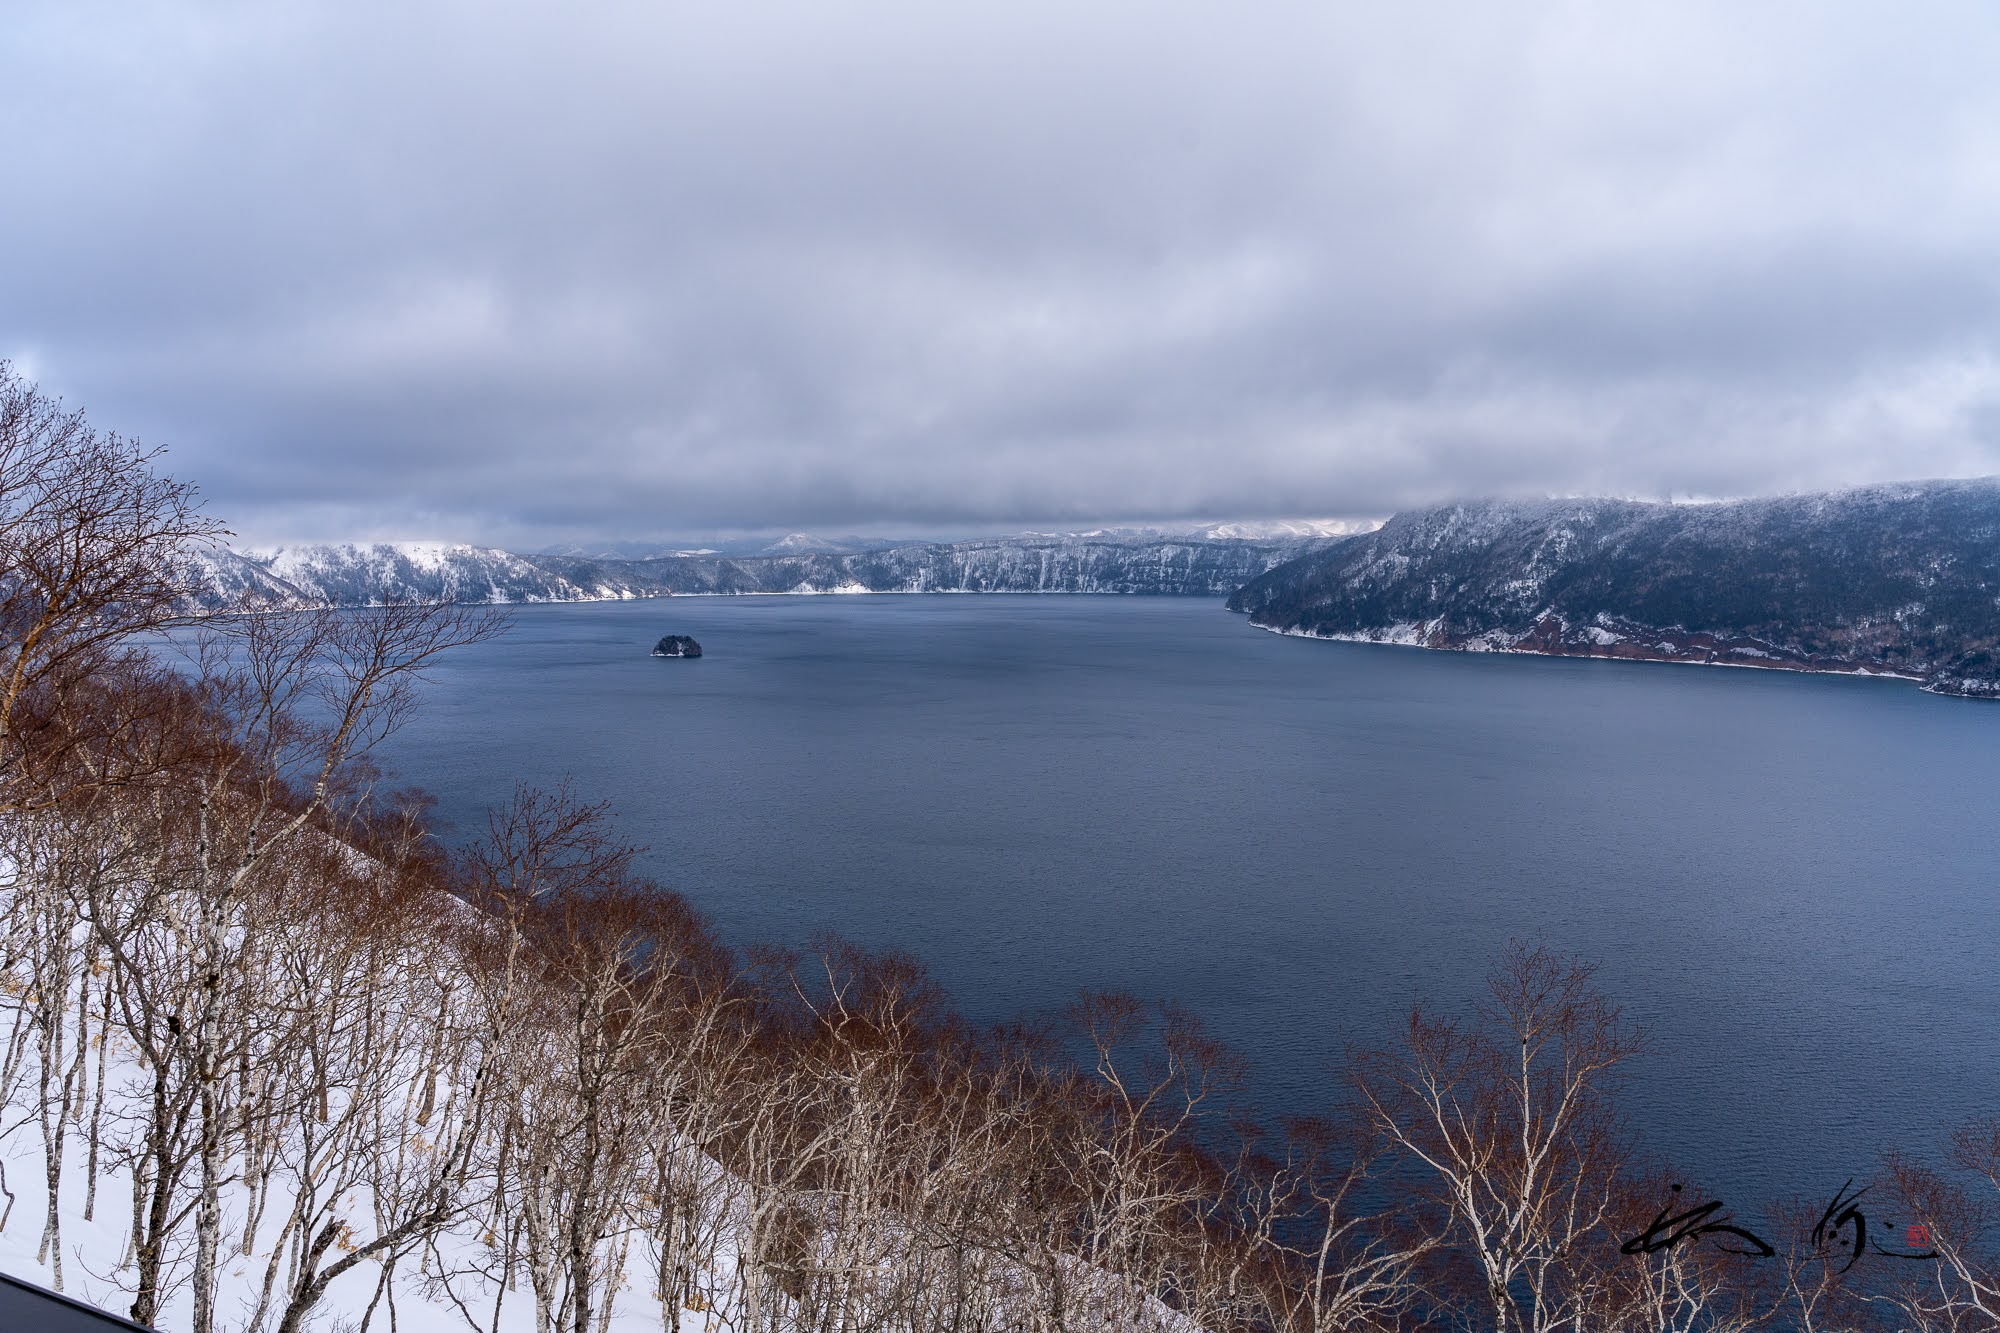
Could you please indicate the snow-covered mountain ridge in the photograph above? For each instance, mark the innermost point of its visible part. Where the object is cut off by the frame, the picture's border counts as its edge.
(357, 575)
(1898, 579)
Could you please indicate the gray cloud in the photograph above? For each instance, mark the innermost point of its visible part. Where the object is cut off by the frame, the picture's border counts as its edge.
(519, 273)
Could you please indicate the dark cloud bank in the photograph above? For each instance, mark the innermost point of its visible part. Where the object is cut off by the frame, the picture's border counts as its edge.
(530, 274)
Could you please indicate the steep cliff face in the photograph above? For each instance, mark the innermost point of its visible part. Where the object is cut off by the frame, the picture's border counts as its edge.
(1896, 579)
(1056, 564)
(358, 575)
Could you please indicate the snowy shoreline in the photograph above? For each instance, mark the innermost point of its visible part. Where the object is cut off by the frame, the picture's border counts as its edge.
(1387, 639)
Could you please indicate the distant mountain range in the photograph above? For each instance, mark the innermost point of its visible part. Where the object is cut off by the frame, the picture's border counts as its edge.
(356, 575)
(1901, 579)
(1277, 531)
(796, 543)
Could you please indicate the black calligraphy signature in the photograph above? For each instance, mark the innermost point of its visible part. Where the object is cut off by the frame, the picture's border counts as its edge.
(1670, 1229)
(1843, 1226)
(1842, 1216)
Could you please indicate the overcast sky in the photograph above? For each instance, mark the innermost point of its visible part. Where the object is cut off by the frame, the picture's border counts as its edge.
(523, 274)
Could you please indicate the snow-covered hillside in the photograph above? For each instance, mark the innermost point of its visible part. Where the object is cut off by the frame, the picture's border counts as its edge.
(313, 1090)
(356, 575)
(459, 1276)
(1901, 580)
(349, 575)
(96, 1268)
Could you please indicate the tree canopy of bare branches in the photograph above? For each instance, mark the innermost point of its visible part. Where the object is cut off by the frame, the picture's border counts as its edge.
(94, 547)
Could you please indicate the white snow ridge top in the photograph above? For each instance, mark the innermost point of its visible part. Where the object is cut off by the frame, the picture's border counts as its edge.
(1284, 529)
(290, 561)
(355, 574)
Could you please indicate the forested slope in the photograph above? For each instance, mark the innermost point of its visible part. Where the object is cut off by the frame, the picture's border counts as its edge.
(1901, 579)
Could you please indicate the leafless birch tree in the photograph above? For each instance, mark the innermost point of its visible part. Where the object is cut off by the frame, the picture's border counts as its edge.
(1512, 1121)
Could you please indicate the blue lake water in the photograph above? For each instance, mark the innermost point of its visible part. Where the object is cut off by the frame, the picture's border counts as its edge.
(1789, 881)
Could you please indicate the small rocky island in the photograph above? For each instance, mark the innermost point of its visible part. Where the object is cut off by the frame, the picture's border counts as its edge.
(677, 645)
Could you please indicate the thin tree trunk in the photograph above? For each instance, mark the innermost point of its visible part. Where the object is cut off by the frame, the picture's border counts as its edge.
(53, 1132)
(97, 1107)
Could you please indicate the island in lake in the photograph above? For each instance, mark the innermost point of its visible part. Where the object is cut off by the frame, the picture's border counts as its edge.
(677, 645)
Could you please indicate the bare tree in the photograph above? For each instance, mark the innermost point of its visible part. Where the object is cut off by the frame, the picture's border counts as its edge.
(1319, 1259)
(1512, 1120)
(61, 861)
(598, 988)
(384, 1092)
(94, 550)
(290, 703)
(1961, 1288)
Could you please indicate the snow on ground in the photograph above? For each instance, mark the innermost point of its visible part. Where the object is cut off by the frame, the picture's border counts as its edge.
(94, 1252)
(96, 1266)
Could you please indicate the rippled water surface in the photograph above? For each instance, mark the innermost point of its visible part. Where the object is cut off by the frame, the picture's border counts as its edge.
(1788, 880)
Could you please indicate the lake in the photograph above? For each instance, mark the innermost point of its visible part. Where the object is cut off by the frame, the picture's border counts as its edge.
(1787, 880)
